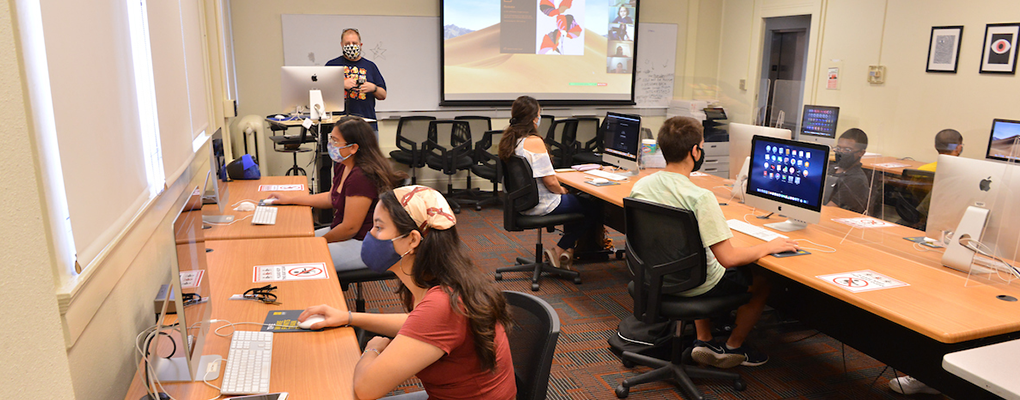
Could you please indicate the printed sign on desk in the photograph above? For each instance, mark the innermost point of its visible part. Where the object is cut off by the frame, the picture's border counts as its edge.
(864, 222)
(282, 188)
(191, 279)
(289, 272)
(861, 281)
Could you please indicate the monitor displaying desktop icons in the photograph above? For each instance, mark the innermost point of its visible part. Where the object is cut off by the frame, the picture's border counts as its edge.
(789, 166)
(787, 177)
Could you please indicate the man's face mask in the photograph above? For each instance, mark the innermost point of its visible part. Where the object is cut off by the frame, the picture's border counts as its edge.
(352, 51)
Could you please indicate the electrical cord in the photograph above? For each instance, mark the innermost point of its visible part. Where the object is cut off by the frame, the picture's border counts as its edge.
(831, 249)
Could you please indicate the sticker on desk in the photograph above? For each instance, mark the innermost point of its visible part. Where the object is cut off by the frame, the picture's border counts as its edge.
(191, 279)
(890, 165)
(696, 173)
(283, 321)
(289, 272)
(282, 188)
(862, 281)
(864, 222)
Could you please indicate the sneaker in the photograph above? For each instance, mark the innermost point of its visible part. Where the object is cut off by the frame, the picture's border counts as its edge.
(567, 260)
(909, 385)
(715, 355)
(752, 357)
(550, 257)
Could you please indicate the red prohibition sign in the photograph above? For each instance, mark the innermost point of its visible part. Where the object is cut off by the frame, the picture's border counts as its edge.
(850, 282)
(304, 271)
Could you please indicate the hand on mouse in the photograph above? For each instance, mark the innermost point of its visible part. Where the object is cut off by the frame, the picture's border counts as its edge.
(281, 198)
(379, 343)
(779, 245)
(333, 316)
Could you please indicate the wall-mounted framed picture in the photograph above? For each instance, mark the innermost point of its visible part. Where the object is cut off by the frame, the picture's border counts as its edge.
(998, 55)
(944, 48)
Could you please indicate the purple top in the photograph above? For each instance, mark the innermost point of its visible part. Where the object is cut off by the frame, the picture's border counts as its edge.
(357, 184)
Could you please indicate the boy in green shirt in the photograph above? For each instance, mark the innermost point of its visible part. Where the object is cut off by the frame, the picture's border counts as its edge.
(681, 141)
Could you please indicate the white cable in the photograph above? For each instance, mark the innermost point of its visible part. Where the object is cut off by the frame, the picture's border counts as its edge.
(831, 249)
(990, 254)
(921, 247)
(241, 201)
(217, 330)
(205, 379)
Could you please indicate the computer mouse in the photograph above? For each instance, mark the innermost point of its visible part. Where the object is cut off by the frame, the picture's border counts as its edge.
(312, 319)
(245, 206)
(267, 202)
(280, 116)
(599, 181)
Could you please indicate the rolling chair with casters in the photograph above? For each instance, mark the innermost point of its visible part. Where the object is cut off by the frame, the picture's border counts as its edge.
(292, 144)
(357, 277)
(661, 241)
(449, 149)
(487, 165)
(589, 146)
(532, 342)
(411, 135)
(560, 141)
(478, 123)
(521, 195)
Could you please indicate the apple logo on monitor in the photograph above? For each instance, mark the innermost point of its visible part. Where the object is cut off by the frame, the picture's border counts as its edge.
(986, 184)
(315, 78)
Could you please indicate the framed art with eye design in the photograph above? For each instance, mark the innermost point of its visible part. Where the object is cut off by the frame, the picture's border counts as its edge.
(998, 55)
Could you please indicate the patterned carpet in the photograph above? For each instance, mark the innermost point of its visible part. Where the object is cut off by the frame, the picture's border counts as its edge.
(804, 364)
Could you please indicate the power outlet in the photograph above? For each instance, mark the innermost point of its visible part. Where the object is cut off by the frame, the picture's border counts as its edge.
(876, 74)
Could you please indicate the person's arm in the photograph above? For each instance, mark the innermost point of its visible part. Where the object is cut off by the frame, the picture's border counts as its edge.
(536, 145)
(319, 200)
(730, 256)
(384, 324)
(378, 91)
(385, 364)
(355, 212)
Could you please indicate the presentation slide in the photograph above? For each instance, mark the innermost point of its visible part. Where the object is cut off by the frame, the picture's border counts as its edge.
(569, 50)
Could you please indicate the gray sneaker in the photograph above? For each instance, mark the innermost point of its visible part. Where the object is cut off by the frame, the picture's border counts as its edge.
(715, 355)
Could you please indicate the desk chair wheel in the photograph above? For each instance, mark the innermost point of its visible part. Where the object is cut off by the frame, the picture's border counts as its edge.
(622, 392)
(478, 207)
(577, 280)
(739, 385)
(499, 276)
(620, 254)
(628, 364)
(534, 286)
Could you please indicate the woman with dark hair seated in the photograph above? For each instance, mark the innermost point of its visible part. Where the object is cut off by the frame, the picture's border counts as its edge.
(454, 336)
(360, 173)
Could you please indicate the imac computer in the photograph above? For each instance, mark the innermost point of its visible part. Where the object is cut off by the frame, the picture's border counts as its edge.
(787, 177)
(1004, 141)
(974, 201)
(818, 124)
(189, 275)
(740, 151)
(315, 89)
(621, 137)
(216, 189)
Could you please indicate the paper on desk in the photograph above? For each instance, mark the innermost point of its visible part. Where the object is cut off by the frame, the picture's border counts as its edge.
(861, 281)
(864, 222)
(696, 173)
(289, 272)
(890, 165)
(282, 188)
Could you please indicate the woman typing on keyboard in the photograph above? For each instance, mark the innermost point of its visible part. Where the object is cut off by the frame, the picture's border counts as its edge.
(453, 338)
(521, 138)
(360, 173)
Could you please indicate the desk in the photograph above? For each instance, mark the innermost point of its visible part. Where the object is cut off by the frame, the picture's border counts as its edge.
(317, 365)
(991, 367)
(909, 328)
(870, 163)
(291, 221)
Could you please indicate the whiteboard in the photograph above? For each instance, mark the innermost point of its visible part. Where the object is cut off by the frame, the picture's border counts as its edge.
(655, 65)
(406, 49)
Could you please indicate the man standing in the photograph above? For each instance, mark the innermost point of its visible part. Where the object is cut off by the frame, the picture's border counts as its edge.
(363, 83)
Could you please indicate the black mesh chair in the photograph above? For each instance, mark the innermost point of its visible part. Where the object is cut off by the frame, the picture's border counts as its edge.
(292, 144)
(478, 123)
(532, 343)
(449, 149)
(411, 134)
(560, 141)
(665, 241)
(545, 125)
(357, 277)
(521, 195)
(588, 145)
(909, 191)
(487, 164)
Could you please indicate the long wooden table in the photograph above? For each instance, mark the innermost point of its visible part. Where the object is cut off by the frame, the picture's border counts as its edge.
(910, 328)
(291, 221)
(308, 365)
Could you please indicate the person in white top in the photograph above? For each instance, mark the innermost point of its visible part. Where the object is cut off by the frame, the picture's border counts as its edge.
(521, 138)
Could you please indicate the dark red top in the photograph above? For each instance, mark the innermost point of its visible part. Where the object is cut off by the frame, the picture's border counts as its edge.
(458, 374)
(357, 184)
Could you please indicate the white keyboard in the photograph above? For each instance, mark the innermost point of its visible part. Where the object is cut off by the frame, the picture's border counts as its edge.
(752, 230)
(603, 174)
(248, 363)
(264, 215)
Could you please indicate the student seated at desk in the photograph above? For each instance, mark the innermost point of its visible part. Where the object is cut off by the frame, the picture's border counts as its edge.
(521, 138)
(948, 142)
(453, 338)
(360, 173)
(851, 188)
(681, 141)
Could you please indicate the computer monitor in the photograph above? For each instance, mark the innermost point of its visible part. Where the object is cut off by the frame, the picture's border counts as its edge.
(621, 137)
(787, 177)
(189, 275)
(1004, 141)
(818, 124)
(216, 190)
(976, 198)
(740, 142)
(296, 84)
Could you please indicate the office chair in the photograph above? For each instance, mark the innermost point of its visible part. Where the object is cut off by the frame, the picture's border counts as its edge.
(560, 141)
(545, 125)
(487, 165)
(912, 187)
(532, 342)
(521, 195)
(357, 277)
(478, 123)
(411, 134)
(665, 241)
(292, 144)
(449, 149)
(588, 145)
